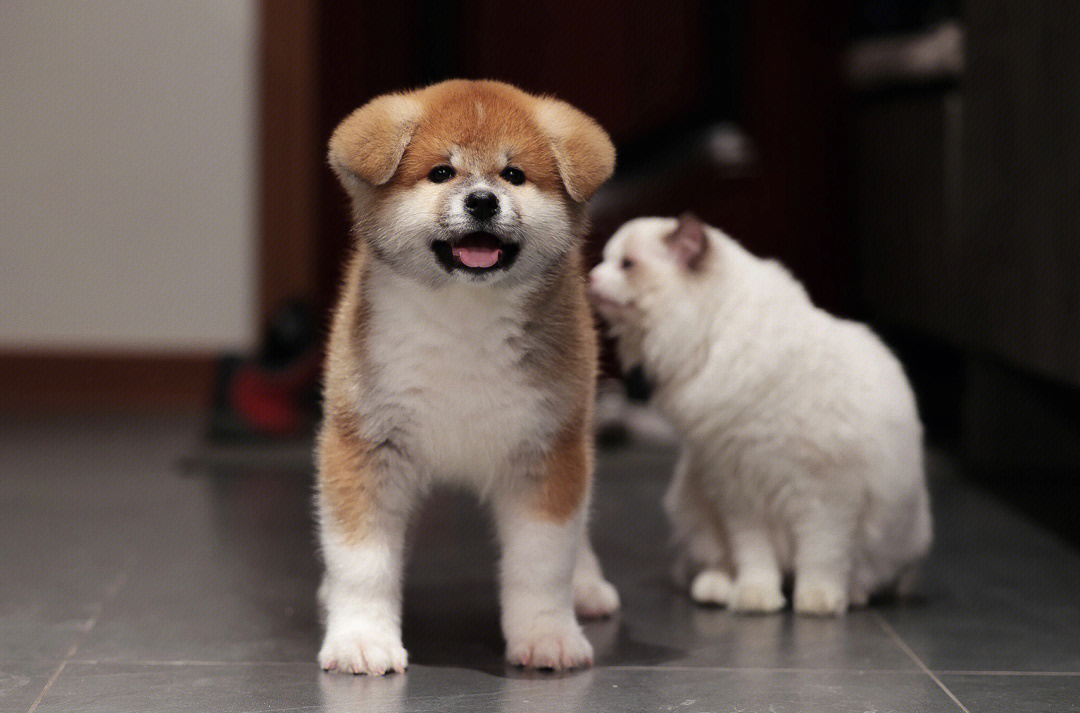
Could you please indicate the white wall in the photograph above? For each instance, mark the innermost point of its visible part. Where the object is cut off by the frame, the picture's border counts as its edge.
(127, 174)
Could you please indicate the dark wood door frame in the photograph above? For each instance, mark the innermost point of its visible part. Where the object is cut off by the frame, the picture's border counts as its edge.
(289, 155)
(318, 61)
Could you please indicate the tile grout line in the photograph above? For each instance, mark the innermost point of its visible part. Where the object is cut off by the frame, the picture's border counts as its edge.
(1048, 674)
(625, 667)
(111, 591)
(614, 667)
(762, 669)
(918, 661)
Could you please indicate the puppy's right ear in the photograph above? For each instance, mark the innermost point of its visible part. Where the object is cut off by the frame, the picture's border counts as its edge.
(584, 153)
(689, 242)
(367, 146)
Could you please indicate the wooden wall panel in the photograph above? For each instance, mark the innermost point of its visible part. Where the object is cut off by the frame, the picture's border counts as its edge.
(70, 381)
(1021, 246)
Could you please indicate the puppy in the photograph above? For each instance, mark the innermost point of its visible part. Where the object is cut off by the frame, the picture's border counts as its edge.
(801, 444)
(462, 351)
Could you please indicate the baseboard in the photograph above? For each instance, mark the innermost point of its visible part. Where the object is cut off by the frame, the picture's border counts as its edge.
(47, 381)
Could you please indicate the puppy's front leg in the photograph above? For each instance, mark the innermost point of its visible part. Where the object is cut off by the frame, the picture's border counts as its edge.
(363, 500)
(541, 525)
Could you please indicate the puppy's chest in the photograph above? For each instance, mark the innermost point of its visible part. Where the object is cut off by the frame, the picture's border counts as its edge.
(449, 380)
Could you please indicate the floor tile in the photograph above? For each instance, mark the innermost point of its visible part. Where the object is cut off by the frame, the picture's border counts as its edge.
(226, 572)
(1016, 694)
(21, 682)
(1000, 593)
(124, 688)
(67, 511)
(193, 590)
(616, 690)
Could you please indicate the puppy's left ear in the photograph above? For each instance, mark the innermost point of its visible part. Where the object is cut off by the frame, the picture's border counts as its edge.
(688, 242)
(583, 151)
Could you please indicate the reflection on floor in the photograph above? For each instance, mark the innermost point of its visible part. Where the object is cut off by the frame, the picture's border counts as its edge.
(126, 585)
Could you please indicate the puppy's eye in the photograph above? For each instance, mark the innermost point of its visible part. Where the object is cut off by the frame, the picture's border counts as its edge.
(627, 263)
(513, 176)
(439, 174)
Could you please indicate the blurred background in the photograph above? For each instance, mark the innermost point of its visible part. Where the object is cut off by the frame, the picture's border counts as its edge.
(171, 238)
(171, 242)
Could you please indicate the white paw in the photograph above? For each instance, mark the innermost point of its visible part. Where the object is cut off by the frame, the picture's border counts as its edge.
(711, 587)
(595, 598)
(820, 599)
(756, 597)
(360, 651)
(554, 646)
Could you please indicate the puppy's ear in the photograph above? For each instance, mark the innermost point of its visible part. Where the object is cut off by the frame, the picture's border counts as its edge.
(583, 152)
(367, 146)
(688, 241)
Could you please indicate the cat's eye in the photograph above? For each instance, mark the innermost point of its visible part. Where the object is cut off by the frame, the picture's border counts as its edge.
(440, 174)
(627, 263)
(513, 176)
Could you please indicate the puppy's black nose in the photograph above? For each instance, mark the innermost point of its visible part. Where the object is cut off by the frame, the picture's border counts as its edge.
(482, 205)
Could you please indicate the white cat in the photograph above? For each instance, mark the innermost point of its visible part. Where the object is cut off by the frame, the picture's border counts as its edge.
(801, 446)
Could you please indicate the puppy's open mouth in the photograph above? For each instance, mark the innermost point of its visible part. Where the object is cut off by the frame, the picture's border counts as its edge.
(475, 253)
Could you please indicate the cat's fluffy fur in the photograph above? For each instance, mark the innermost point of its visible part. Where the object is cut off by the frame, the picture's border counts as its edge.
(801, 443)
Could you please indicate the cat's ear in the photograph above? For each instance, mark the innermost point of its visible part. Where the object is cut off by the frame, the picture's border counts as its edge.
(688, 242)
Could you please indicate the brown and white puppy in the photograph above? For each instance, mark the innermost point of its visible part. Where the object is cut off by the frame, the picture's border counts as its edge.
(463, 351)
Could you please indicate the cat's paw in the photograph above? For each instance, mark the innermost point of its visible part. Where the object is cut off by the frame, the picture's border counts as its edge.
(551, 645)
(711, 586)
(595, 598)
(820, 598)
(755, 596)
(362, 651)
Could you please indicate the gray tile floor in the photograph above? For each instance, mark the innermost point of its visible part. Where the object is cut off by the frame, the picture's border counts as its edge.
(127, 585)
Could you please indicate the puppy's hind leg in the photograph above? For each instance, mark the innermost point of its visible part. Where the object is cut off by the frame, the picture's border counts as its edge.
(594, 596)
(363, 507)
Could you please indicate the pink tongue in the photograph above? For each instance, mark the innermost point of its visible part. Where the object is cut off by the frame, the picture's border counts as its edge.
(477, 257)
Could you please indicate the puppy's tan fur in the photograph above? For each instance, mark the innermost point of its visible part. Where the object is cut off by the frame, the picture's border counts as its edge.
(486, 379)
(569, 354)
(399, 137)
(344, 479)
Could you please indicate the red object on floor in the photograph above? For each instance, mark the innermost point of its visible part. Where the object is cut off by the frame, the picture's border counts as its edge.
(271, 401)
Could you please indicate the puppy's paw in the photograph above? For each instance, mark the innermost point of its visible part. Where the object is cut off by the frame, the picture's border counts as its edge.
(754, 596)
(595, 599)
(551, 645)
(711, 586)
(361, 651)
(820, 598)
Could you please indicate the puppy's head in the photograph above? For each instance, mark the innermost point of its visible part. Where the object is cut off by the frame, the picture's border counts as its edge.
(471, 181)
(646, 260)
